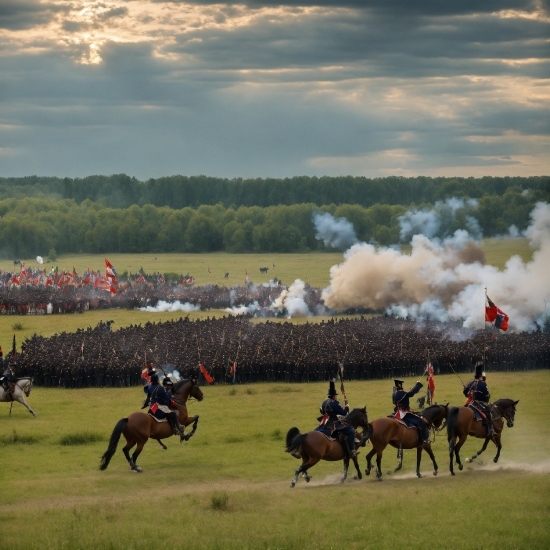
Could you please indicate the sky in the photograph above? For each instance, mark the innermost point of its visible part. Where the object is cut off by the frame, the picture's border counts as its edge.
(264, 88)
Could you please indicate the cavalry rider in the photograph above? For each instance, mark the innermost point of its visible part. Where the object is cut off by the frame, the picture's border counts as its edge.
(478, 396)
(330, 422)
(160, 401)
(403, 410)
(168, 385)
(7, 378)
(146, 374)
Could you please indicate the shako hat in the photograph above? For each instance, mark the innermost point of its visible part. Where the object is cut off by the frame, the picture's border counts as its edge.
(398, 383)
(332, 389)
(154, 379)
(479, 370)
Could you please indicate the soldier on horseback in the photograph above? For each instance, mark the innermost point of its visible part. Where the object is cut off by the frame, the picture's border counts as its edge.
(331, 421)
(160, 401)
(478, 396)
(402, 410)
(8, 378)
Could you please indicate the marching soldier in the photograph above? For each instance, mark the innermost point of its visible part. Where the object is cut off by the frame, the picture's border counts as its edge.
(330, 422)
(403, 410)
(478, 395)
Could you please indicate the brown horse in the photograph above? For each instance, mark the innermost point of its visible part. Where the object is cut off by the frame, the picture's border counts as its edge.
(139, 426)
(390, 431)
(461, 423)
(314, 446)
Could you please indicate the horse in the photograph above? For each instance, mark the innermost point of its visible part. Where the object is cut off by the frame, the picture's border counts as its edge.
(390, 431)
(264, 269)
(314, 446)
(461, 423)
(21, 388)
(139, 427)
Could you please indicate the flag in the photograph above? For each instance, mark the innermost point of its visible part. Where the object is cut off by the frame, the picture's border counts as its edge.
(109, 268)
(495, 315)
(234, 371)
(207, 376)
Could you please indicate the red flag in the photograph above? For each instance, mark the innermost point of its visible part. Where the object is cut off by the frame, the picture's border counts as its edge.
(495, 315)
(207, 376)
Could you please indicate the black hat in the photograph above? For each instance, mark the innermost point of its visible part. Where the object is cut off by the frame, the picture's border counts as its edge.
(167, 382)
(398, 383)
(479, 370)
(154, 379)
(331, 389)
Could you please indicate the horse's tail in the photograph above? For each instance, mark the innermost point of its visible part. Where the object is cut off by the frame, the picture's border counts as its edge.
(293, 440)
(113, 442)
(452, 418)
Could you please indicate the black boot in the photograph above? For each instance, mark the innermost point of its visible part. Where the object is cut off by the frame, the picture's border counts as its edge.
(177, 428)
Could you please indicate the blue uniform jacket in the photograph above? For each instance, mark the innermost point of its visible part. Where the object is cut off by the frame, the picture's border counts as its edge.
(479, 390)
(157, 394)
(333, 409)
(401, 397)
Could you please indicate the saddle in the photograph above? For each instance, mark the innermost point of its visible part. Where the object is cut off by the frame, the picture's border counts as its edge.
(159, 420)
(9, 387)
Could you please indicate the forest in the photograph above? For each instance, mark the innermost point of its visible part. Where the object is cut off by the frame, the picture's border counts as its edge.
(118, 213)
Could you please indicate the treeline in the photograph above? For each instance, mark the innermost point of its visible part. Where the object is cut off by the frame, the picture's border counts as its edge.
(32, 226)
(177, 192)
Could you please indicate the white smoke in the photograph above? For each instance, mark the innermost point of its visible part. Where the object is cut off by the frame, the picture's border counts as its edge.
(335, 232)
(242, 310)
(446, 280)
(49, 309)
(438, 222)
(292, 300)
(170, 307)
(40, 260)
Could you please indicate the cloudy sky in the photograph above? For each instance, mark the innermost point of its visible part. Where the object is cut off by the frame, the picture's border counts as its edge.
(265, 88)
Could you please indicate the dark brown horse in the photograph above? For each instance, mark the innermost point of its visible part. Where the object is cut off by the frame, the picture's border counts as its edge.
(461, 423)
(139, 426)
(390, 431)
(314, 446)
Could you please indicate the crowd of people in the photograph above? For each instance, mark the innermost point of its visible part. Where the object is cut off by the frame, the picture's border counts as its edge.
(241, 350)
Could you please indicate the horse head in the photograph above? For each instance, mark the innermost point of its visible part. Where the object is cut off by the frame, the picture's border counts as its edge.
(507, 408)
(436, 415)
(187, 388)
(358, 418)
(25, 384)
(196, 392)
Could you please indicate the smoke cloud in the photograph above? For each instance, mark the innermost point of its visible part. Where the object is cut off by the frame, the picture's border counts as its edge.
(292, 300)
(170, 307)
(445, 280)
(335, 232)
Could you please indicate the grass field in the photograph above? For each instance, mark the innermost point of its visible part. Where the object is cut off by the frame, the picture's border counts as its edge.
(312, 268)
(228, 487)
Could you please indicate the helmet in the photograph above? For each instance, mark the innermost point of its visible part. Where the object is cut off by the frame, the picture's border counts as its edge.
(331, 390)
(154, 379)
(167, 382)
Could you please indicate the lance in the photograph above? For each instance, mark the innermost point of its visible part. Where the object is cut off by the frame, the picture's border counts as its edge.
(341, 377)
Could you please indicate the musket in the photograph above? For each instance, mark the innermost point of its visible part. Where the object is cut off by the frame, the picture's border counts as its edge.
(457, 375)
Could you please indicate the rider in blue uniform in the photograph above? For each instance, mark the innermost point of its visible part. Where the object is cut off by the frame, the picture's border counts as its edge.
(8, 376)
(403, 410)
(478, 395)
(160, 400)
(330, 422)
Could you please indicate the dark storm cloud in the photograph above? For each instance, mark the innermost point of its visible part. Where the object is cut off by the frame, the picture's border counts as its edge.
(25, 14)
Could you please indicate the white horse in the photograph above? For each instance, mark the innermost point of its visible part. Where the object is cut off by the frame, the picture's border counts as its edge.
(22, 388)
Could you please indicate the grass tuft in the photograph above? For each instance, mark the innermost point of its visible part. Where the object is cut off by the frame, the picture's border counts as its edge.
(284, 389)
(18, 326)
(16, 439)
(250, 391)
(233, 391)
(219, 501)
(276, 435)
(80, 438)
(234, 439)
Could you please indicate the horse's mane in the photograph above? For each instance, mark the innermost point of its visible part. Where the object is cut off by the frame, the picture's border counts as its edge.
(504, 403)
(179, 384)
(431, 409)
(353, 414)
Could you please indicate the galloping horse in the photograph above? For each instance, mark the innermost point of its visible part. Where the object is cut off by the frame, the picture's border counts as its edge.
(461, 423)
(139, 426)
(21, 388)
(314, 446)
(390, 431)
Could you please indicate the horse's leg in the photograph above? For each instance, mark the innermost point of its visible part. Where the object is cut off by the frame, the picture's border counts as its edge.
(379, 464)
(485, 443)
(133, 464)
(357, 469)
(400, 458)
(161, 444)
(346, 467)
(21, 399)
(499, 446)
(369, 460)
(192, 420)
(432, 456)
(126, 450)
(307, 463)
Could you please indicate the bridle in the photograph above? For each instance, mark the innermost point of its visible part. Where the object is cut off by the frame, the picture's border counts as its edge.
(510, 416)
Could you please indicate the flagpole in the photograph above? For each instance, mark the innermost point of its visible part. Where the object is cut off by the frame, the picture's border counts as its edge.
(484, 331)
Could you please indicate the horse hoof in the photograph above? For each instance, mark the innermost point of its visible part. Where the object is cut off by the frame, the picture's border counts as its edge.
(468, 460)
(367, 472)
(418, 476)
(460, 467)
(435, 472)
(308, 479)
(495, 460)
(453, 474)
(292, 483)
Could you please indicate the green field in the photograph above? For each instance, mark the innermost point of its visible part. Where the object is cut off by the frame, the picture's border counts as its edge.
(228, 487)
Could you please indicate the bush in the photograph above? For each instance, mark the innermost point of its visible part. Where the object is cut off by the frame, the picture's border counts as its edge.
(52, 255)
(80, 438)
